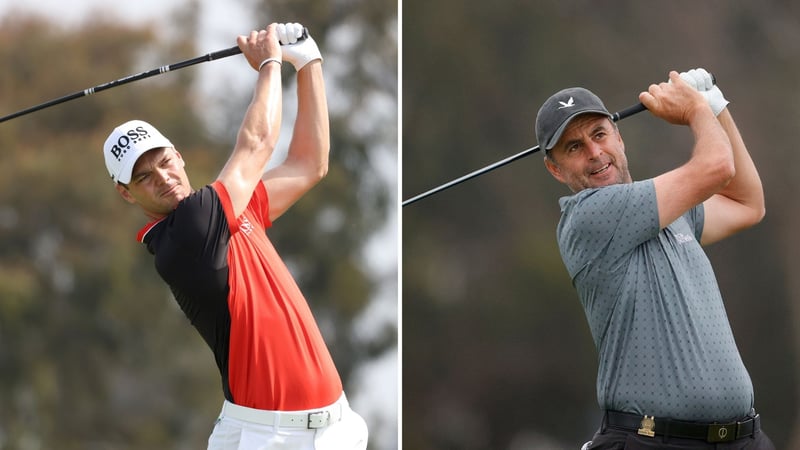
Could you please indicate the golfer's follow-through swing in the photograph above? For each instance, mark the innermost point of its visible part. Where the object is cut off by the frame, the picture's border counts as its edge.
(669, 371)
(281, 387)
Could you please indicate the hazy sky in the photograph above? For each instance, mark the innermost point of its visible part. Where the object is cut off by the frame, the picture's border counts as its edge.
(221, 21)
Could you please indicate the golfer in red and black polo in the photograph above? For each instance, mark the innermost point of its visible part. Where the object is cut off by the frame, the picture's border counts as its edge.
(281, 387)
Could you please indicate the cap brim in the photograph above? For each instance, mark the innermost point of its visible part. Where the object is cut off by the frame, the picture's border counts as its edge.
(126, 173)
(560, 130)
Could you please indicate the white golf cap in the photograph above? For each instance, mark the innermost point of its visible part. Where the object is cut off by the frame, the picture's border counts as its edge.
(126, 144)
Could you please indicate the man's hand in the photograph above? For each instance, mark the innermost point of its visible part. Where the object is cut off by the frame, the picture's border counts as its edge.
(260, 46)
(703, 82)
(674, 101)
(296, 51)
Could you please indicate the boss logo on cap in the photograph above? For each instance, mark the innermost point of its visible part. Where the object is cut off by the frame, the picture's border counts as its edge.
(124, 142)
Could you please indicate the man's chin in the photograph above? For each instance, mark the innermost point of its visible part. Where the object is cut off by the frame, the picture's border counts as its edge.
(609, 179)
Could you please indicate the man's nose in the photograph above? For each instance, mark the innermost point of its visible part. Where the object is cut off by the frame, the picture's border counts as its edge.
(162, 176)
(594, 149)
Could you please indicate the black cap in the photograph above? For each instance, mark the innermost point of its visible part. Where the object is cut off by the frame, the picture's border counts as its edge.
(559, 110)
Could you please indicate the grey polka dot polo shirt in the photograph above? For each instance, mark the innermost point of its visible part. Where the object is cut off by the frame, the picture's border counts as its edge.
(665, 346)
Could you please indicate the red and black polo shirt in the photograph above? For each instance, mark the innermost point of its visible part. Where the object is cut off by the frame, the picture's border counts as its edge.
(236, 291)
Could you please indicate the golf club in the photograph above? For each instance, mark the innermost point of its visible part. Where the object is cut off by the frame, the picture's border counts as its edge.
(637, 108)
(627, 112)
(163, 69)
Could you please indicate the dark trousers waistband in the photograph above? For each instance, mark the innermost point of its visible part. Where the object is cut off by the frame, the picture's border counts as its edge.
(709, 432)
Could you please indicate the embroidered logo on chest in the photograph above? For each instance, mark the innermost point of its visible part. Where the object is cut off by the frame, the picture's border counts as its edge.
(683, 238)
(245, 225)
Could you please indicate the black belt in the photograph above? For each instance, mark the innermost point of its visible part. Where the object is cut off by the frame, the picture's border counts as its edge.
(709, 432)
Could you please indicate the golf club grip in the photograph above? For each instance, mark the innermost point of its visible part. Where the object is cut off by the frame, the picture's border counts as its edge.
(235, 50)
(637, 108)
(629, 111)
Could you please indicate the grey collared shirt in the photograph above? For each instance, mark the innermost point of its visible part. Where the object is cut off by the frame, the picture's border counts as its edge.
(665, 346)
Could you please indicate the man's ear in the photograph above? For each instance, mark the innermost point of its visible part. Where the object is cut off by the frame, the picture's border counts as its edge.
(125, 193)
(553, 168)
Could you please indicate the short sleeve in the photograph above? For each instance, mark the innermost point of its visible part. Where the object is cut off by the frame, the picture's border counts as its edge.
(606, 223)
(258, 206)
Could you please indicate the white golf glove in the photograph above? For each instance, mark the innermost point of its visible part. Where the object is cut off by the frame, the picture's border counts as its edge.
(298, 52)
(703, 82)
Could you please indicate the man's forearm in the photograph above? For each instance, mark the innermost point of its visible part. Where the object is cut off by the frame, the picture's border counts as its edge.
(310, 143)
(261, 124)
(745, 187)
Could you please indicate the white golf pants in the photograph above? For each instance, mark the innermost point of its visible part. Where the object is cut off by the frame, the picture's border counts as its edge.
(339, 428)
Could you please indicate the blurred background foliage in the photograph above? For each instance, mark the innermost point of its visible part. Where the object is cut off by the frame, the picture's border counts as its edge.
(496, 350)
(94, 353)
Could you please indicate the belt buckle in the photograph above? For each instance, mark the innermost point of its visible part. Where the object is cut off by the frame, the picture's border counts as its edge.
(722, 432)
(648, 426)
(318, 419)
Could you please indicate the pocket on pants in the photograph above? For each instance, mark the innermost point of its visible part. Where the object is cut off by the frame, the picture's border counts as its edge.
(350, 433)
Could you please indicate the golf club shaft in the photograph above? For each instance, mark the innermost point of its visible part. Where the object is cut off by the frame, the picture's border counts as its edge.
(637, 108)
(163, 69)
(627, 112)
